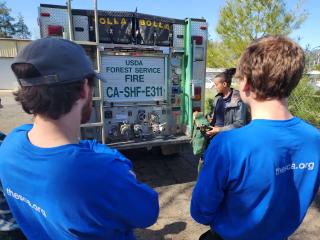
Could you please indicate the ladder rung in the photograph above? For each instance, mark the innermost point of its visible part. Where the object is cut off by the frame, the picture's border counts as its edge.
(86, 43)
(96, 98)
(96, 124)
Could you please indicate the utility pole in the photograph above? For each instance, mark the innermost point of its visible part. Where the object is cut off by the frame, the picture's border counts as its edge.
(70, 22)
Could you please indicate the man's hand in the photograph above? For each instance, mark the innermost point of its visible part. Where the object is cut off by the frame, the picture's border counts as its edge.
(213, 131)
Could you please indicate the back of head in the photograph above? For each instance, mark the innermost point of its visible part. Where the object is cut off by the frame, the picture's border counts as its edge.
(272, 66)
(227, 76)
(51, 74)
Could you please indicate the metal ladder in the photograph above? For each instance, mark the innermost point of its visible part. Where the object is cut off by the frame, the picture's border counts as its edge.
(99, 98)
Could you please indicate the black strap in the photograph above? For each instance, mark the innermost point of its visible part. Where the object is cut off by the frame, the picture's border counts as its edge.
(43, 80)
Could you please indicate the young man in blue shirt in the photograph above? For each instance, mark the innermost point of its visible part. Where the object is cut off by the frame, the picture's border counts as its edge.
(57, 186)
(259, 180)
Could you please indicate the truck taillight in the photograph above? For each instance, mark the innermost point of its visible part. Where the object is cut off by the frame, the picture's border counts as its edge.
(55, 30)
(197, 93)
(136, 54)
(44, 14)
(196, 109)
(197, 39)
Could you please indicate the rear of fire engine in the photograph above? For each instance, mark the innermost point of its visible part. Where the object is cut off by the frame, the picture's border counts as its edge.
(152, 70)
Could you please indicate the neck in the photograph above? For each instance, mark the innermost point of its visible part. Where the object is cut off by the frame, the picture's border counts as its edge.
(270, 109)
(52, 133)
(226, 93)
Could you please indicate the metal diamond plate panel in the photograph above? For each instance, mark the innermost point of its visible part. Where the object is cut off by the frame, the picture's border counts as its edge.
(57, 16)
(178, 29)
(197, 31)
(198, 70)
(81, 28)
(198, 65)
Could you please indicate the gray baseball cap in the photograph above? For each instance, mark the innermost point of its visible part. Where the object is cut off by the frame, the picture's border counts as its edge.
(57, 60)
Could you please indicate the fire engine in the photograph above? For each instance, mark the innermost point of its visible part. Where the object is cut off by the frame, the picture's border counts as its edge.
(152, 72)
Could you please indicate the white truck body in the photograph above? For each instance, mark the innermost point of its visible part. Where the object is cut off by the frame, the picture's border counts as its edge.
(153, 77)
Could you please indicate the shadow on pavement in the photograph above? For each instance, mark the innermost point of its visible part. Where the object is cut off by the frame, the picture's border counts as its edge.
(172, 228)
(156, 170)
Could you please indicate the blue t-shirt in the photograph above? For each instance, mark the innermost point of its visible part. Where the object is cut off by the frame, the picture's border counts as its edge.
(7, 222)
(259, 180)
(74, 191)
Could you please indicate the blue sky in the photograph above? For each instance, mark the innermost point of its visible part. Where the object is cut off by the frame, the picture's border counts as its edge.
(309, 32)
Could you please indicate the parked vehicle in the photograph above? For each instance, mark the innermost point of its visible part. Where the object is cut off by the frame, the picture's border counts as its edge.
(152, 67)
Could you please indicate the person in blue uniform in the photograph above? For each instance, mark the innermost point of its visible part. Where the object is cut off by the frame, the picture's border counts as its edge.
(57, 186)
(258, 181)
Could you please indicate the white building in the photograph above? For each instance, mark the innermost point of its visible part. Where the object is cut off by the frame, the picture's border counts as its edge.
(314, 76)
(9, 48)
(210, 74)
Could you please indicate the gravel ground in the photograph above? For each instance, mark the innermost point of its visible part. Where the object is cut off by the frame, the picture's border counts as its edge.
(173, 177)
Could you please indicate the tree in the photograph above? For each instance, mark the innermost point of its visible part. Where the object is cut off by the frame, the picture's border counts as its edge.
(6, 25)
(218, 55)
(304, 102)
(312, 58)
(21, 29)
(242, 21)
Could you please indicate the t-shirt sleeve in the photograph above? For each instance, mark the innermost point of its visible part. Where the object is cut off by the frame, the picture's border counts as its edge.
(116, 196)
(138, 204)
(102, 148)
(209, 190)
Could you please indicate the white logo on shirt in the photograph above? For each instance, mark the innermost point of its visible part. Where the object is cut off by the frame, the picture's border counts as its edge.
(34, 206)
(308, 166)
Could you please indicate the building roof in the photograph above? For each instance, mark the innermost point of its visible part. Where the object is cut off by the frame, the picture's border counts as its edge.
(314, 72)
(15, 39)
(215, 70)
(9, 47)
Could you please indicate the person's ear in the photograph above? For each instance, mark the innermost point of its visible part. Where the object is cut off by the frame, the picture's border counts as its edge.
(85, 90)
(224, 84)
(245, 87)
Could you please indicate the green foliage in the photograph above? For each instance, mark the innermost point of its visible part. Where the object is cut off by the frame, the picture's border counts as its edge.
(6, 21)
(210, 93)
(304, 102)
(21, 29)
(218, 55)
(242, 21)
(208, 105)
(8, 28)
